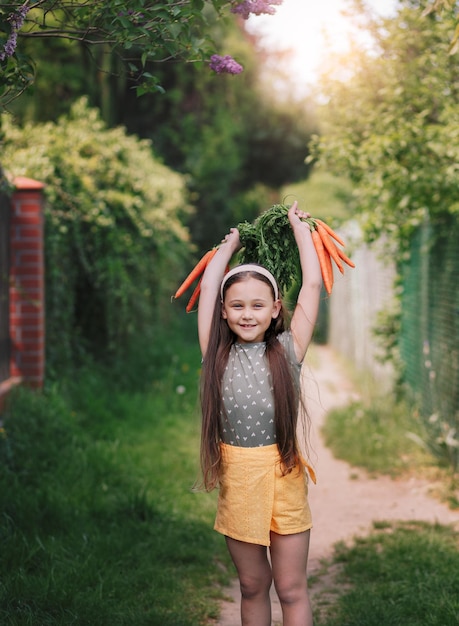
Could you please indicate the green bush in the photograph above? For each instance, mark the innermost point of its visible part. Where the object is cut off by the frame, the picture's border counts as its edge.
(115, 242)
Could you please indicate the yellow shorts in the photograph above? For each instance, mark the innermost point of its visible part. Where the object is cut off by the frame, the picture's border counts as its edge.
(255, 498)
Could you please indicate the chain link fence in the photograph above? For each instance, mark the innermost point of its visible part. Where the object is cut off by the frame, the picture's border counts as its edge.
(426, 332)
(429, 337)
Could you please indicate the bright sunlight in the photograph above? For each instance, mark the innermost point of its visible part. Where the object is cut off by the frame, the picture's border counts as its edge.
(310, 30)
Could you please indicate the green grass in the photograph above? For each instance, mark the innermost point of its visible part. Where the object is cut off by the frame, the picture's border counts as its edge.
(375, 435)
(382, 435)
(99, 522)
(100, 526)
(404, 574)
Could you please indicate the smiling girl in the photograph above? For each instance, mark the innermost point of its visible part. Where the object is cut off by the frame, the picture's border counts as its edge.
(250, 400)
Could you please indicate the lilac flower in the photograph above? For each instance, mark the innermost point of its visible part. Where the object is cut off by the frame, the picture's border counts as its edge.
(136, 16)
(257, 7)
(11, 44)
(16, 20)
(224, 65)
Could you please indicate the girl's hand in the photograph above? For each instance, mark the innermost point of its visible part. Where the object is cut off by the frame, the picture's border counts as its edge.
(295, 215)
(232, 239)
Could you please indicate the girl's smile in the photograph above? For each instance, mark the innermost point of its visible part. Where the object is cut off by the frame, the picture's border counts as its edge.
(248, 308)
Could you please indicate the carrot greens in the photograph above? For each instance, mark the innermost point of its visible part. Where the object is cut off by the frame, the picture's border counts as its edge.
(270, 242)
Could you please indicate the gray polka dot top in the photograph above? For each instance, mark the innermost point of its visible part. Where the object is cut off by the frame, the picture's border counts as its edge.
(248, 419)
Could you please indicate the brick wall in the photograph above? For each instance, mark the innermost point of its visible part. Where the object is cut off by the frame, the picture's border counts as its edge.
(27, 314)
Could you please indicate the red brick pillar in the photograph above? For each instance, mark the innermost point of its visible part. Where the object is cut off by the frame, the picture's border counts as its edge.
(27, 290)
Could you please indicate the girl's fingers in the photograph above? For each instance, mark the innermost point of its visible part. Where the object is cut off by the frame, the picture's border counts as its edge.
(231, 233)
(297, 214)
(232, 239)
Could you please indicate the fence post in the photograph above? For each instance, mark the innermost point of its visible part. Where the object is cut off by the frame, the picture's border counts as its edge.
(27, 290)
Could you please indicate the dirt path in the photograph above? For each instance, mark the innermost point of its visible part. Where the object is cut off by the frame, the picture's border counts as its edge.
(345, 502)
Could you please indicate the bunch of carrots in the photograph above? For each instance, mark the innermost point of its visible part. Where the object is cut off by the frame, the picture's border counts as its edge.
(273, 227)
(323, 238)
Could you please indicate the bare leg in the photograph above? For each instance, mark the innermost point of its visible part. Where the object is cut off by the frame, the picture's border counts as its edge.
(254, 571)
(289, 556)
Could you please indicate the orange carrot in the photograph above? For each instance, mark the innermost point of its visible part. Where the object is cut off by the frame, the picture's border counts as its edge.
(330, 231)
(197, 292)
(320, 249)
(195, 272)
(330, 246)
(345, 258)
(329, 267)
(194, 297)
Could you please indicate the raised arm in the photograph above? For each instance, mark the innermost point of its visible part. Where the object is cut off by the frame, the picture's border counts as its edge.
(307, 306)
(210, 286)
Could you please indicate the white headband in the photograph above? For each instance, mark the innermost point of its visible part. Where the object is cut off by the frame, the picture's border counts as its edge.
(251, 267)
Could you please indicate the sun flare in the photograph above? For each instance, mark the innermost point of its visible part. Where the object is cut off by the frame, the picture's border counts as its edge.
(310, 30)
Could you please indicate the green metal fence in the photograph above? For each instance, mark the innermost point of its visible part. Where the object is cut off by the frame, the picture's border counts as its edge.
(429, 339)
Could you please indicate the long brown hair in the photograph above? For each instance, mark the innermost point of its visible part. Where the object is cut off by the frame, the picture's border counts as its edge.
(285, 392)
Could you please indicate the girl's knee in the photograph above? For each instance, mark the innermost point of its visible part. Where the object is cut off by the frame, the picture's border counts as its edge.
(292, 591)
(253, 586)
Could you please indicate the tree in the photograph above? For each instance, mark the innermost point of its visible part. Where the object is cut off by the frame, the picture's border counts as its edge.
(446, 5)
(231, 137)
(393, 125)
(138, 32)
(393, 128)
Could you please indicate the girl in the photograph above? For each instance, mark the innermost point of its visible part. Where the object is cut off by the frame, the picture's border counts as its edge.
(250, 398)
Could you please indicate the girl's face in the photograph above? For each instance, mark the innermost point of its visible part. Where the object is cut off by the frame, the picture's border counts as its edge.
(248, 308)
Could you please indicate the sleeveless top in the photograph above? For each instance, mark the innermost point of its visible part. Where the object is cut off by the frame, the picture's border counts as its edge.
(248, 418)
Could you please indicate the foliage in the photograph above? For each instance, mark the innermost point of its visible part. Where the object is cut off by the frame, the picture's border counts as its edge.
(244, 152)
(403, 573)
(232, 138)
(446, 5)
(138, 32)
(114, 236)
(228, 134)
(392, 436)
(376, 435)
(99, 521)
(393, 128)
(323, 195)
(269, 241)
(392, 125)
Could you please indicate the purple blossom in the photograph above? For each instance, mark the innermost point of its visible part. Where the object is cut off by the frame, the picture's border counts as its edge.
(131, 13)
(257, 7)
(16, 20)
(11, 44)
(224, 65)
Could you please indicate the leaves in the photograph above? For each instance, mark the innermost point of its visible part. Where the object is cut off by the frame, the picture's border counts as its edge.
(115, 238)
(393, 126)
(160, 30)
(270, 242)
